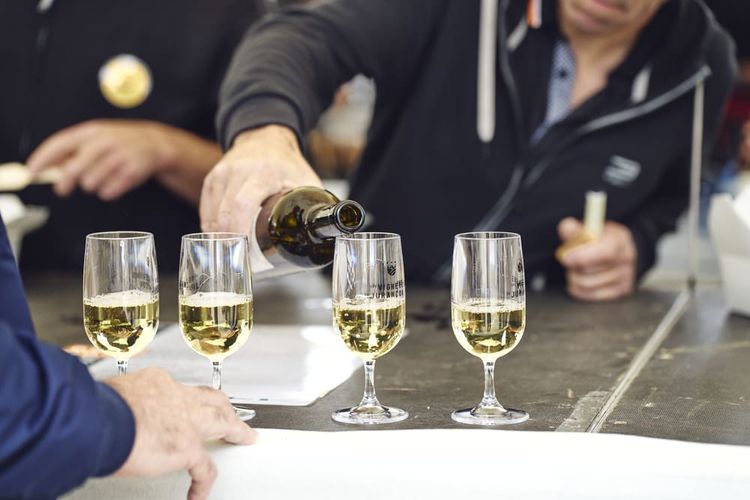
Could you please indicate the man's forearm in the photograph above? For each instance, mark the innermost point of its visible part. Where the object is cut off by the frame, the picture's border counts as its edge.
(187, 161)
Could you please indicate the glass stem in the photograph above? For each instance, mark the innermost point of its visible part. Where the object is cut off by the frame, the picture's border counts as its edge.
(489, 398)
(122, 366)
(369, 398)
(216, 379)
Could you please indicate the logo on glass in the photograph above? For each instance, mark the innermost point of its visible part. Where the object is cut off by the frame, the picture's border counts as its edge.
(391, 268)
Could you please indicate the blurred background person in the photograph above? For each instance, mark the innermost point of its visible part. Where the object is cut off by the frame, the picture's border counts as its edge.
(121, 96)
(561, 97)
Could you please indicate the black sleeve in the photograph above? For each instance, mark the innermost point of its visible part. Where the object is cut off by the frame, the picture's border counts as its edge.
(660, 212)
(287, 69)
(234, 19)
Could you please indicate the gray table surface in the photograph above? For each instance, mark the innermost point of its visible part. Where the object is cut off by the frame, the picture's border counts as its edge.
(697, 385)
(574, 366)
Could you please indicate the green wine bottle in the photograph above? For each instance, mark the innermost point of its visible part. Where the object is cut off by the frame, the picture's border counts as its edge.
(296, 230)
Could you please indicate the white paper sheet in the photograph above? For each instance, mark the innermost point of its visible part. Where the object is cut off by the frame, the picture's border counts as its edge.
(280, 364)
(456, 463)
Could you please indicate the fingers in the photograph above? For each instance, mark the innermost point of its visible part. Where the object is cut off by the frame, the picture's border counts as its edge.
(93, 179)
(233, 206)
(611, 285)
(120, 182)
(591, 257)
(589, 282)
(83, 160)
(569, 228)
(215, 419)
(242, 193)
(172, 421)
(59, 146)
(203, 473)
(211, 193)
(107, 157)
(240, 433)
(79, 153)
(604, 269)
(246, 205)
(573, 235)
(261, 162)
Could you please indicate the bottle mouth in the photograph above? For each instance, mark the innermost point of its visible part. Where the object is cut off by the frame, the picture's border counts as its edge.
(349, 216)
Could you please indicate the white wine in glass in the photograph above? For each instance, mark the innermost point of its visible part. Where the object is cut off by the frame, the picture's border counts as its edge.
(488, 312)
(486, 330)
(370, 329)
(120, 293)
(216, 299)
(369, 312)
(216, 324)
(121, 324)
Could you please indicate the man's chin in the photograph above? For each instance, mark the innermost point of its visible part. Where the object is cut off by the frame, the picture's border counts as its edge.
(589, 25)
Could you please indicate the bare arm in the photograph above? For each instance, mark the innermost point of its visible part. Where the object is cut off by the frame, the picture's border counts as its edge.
(191, 159)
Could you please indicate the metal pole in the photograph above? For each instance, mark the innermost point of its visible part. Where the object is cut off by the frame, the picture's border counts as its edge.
(696, 161)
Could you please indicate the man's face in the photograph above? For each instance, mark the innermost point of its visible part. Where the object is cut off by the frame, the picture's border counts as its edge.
(598, 17)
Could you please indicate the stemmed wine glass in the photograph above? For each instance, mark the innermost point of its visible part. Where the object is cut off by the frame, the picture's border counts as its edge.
(369, 311)
(216, 298)
(120, 293)
(488, 312)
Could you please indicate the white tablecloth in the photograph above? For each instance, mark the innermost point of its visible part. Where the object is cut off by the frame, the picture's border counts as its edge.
(457, 463)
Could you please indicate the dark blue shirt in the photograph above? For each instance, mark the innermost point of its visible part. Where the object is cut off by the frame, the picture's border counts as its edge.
(57, 425)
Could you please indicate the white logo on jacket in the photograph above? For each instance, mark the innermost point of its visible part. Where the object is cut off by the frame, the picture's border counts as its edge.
(621, 171)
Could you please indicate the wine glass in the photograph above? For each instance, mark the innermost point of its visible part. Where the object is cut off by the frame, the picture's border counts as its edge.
(488, 312)
(369, 311)
(120, 293)
(216, 298)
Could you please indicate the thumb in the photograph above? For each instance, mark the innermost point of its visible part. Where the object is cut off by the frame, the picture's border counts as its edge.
(569, 228)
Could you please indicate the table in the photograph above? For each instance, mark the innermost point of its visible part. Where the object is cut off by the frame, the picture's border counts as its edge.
(697, 385)
(580, 367)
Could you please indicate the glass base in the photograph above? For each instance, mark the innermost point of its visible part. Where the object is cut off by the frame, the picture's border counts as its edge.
(369, 415)
(489, 415)
(243, 413)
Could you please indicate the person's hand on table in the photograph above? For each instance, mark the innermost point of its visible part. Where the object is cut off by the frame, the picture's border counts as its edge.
(171, 423)
(111, 157)
(604, 269)
(260, 163)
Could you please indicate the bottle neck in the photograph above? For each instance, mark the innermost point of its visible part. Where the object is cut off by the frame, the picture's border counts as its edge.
(345, 217)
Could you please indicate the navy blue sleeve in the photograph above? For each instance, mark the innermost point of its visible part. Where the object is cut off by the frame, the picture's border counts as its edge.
(58, 426)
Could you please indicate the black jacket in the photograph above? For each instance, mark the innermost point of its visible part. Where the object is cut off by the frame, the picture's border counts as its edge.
(426, 174)
(51, 62)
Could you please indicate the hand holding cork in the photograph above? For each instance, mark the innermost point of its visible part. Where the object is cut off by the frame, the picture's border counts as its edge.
(594, 214)
(599, 256)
